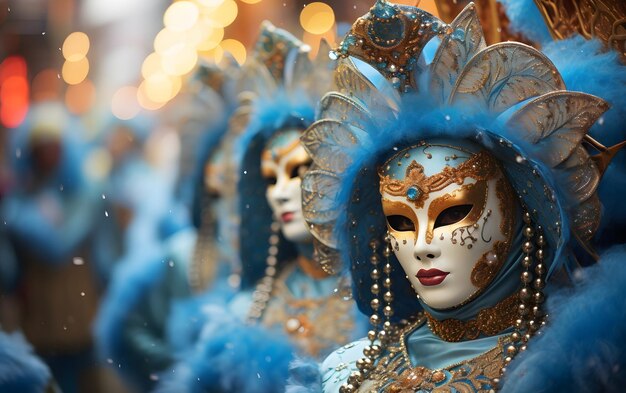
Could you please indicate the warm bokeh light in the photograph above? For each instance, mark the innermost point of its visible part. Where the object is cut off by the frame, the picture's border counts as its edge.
(214, 55)
(46, 85)
(151, 65)
(225, 14)
(181, 16)
(80, 98)
(209, 3)
(179, 59)
(75, 72)
(317, 18)
(75, 46)
(14, 91)
(251, 1)
(124, 104)
(166, 39)
(98, 164)
(235, 48)
(160, 87)
(314, 40)
(145, 101)
(212, 39)
(14, 98)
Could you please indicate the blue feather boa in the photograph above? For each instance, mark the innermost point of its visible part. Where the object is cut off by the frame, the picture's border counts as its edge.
(231, 357)
(187, 316)
(20, 370)
(582, 349)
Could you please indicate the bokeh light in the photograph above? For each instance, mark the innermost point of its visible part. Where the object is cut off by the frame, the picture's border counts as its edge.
(75, 46)
(211, 38)
(166, 39)
(209, 3)
(225, 14)
(46, 85)
(314, 40)
(98, 164)
(124, 104)
(75, 72)
(80, 98)
(14, 91)
(214, 55)
(179, 60)
(181, 16)
(235, 48)
(151, 65)
(145, 101)
(317, 18)
(251, 1)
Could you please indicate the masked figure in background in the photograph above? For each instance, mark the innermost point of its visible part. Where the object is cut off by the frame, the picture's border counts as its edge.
(57, 225)
(462, 193)
(154, 274)
(295, 307)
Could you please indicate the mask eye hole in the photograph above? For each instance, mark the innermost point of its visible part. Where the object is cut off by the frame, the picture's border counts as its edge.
(401, 223)
(299, 171)
(452, 215)
(271, 180)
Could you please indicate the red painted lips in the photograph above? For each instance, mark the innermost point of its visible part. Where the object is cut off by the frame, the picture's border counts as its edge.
(431, 277)
(287, 217)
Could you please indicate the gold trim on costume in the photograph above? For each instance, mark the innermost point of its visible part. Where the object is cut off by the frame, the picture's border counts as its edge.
(489, 322)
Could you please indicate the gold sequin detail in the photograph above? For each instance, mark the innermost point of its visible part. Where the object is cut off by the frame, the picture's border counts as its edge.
(394, 373)
(489, 322)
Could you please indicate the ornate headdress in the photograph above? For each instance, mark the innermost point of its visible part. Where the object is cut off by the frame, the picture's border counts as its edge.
(217, 85)
(602, 19)
(508, 98)
(280, 86)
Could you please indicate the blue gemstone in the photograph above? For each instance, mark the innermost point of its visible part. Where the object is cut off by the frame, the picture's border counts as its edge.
(413, 193)
(384, 10)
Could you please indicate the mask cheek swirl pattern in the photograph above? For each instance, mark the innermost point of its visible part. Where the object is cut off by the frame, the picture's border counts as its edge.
(283, 163)
(450, 241)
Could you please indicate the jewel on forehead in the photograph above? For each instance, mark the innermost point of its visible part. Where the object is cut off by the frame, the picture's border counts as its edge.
(412, 193)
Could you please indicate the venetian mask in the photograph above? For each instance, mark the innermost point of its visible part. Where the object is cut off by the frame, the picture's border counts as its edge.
(450, 213)
(283, 163)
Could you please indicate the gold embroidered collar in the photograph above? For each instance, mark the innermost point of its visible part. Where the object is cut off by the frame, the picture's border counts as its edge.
(489, 322)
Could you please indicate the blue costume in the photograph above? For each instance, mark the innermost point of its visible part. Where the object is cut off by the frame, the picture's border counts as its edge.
(20, 369)
(153, 276)
(287, 306)
(56, 222)
(423, 161)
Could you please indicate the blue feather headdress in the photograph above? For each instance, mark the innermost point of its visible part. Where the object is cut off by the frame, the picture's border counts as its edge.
(282, 86)
(507, 97)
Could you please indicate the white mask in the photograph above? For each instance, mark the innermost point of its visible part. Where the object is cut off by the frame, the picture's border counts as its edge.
(283, 163)
(450, 214)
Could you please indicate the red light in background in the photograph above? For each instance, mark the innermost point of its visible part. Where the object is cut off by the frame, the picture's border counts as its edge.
(14, 90)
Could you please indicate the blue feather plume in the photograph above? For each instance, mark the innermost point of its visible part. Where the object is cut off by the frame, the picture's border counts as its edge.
(20, 370)
(304, 377)
(582, 348)
(525, 19)
(231, 357)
